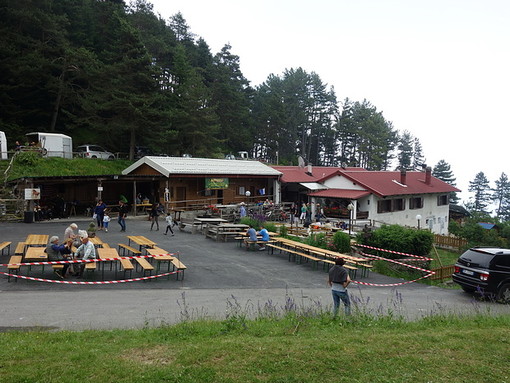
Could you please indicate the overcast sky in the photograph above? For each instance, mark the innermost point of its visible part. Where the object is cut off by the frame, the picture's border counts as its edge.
(437, 68)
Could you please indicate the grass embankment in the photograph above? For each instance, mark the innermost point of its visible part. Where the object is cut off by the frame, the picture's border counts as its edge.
(48, 167)
(293, 349)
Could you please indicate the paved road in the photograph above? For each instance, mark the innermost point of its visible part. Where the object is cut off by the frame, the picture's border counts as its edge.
(221, 277)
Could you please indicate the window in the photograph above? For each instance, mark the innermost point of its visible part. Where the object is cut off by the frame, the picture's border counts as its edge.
(415, 203)
(399, 204)
(442, 200)
(241, 190)
(384, 206)
(389, 205)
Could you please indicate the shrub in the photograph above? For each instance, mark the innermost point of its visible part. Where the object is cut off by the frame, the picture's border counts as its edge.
(317, 240)
(28, 158)
(341, 242)
(252, 222)
(399, 238)
(283, 231)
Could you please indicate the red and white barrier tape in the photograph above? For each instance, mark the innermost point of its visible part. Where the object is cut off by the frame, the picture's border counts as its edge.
(83, 260)
(393, 252)
(91, 282)
(429, 273)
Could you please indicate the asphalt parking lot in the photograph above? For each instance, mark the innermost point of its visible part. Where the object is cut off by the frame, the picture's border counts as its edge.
(219, 276)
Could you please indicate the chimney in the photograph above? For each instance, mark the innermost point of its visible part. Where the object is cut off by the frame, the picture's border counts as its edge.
(403, 176)
(309, 170)
(428, 175)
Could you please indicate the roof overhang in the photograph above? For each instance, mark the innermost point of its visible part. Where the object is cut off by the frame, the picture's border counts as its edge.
(313, 185)
(340, 193)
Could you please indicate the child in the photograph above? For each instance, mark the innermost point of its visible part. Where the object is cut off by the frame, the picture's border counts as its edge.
(106, 220)
(169, 222)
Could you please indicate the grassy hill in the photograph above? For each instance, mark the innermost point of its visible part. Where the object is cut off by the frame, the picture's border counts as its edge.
(31, 165)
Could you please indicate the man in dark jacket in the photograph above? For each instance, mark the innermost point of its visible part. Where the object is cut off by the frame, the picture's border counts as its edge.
(58, 252)
(339, 280)
(123, 209)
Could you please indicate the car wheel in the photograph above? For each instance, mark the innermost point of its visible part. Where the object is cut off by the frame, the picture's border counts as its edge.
(468, 289)
(93, 157)
(111, 158)
(503, 295)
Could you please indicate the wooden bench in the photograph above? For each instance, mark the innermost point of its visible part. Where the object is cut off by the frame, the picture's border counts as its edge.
(123, 248)
(145, 265)
(297, 254)
(179, 266)
(14, 268)
(127, 265)
(20, 248)
(5, 245)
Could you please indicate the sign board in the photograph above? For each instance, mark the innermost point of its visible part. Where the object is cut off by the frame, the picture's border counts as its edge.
(31, 194)
(99, 188)
(216, 183)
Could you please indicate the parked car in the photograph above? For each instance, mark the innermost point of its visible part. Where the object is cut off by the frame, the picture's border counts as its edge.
(486, 271)
(94, 151)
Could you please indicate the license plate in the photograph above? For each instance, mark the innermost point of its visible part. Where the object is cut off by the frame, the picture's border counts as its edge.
(468, 272)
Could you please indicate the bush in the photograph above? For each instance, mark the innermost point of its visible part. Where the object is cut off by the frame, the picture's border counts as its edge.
(341, 242)
(399, 238)
(284, 231)
(317, 240)
(27, 158)
(256, 224)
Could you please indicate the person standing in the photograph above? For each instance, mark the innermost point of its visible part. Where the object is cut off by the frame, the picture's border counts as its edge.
(99, 213)
(106, 221)
(122, 215)
(303, 213)
(154, 214)
(242, 210)
(169, 222)
(338, 280)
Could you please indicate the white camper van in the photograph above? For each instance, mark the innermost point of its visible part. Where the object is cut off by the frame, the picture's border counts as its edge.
(52, 144)
(3, 146)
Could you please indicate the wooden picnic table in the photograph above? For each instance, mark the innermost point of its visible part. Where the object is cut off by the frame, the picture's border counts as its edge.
(141, 241)
(37, 240)
(225, 230)
(35, 254)
(206, 221)
(96, 241)
(106, 253)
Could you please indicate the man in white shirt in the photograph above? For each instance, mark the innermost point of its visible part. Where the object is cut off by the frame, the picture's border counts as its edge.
(87, 250)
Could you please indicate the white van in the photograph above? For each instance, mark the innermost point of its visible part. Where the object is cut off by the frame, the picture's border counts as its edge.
(52, 144)
(3, 146)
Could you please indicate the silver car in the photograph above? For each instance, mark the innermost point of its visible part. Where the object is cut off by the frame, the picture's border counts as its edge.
(94, 151)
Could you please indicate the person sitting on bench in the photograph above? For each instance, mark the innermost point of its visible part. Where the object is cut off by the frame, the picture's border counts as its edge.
(58, 252)
(87, 250)
(265, 238)
(252, 236)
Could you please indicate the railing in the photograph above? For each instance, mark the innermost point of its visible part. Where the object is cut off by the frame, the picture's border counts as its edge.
(449, 242)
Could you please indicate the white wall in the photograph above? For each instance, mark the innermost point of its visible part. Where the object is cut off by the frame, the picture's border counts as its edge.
(434, 217)
(342, 183)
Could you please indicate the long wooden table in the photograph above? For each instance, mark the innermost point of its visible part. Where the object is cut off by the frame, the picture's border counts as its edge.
(206, 221)
(37, 240)
(161, 258)
(106, 253)
(141, 241)
(224, 230)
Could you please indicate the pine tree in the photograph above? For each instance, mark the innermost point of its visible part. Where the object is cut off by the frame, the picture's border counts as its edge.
(501, 196)
(405, 151)
(482, 192)
(443, 172)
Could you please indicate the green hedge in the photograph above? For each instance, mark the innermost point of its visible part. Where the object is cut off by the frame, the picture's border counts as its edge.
(398, 238)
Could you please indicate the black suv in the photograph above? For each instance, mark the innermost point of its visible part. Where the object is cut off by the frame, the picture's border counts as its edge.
(485, 270)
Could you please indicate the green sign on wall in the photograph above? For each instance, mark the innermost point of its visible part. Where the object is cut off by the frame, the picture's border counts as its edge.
(216, 183)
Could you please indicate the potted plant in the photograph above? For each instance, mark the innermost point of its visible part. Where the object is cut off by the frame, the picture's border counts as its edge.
(91, 230)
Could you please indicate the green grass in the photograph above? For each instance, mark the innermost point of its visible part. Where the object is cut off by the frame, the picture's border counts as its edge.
(47, 167)
(447, 257)
(292, 349)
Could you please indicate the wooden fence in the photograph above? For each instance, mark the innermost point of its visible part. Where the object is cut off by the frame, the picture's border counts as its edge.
(449, 242)
(442, 273)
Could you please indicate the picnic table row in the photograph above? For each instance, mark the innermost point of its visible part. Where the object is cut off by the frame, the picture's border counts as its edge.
(33, 250)
(302, 252)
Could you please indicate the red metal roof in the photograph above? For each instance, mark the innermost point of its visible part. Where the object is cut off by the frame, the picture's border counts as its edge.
(340, 193)
(382, 183)
(295, 174)
(387, 183)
